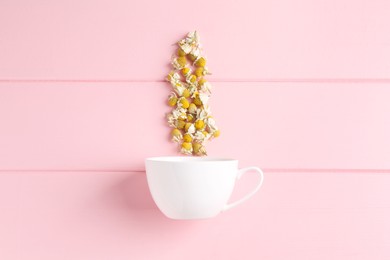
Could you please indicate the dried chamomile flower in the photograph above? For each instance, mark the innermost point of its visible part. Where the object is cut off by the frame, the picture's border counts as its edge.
(171, 120)
(210, 125)
(179, 62)
(195, 52)
(217, 133)
(186, 71)
(176, 83)
(170, 76)
(183, 102)
(172, 99)
(199, 124)
(190, 128)
(200, 136)
(180, 88)
(190, 42)
(187, 138)
(186, 93)
(185, 46)
(187, 126)
(206, 87)
(202, 81)
(191, 57)
(193, 89)
(173, 77)
(204, 98)
(178, 112)
(180, 124)
(200, 62)
(186, 148)
(195, 93)
(192, 108)
(190, 117)
(199, 149)
(180, 52)
(176, 135)
(191, 79)
(176, 132)
(202, 114)
(199, 72)
(197, 101)
(183, 117)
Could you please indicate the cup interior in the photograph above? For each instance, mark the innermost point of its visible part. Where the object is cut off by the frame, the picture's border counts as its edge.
(188, 159)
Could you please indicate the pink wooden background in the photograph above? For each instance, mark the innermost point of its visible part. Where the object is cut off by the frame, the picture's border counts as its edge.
(301, 89)
(114, 126)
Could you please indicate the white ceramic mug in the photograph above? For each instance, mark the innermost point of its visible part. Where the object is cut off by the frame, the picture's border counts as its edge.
(194, 187)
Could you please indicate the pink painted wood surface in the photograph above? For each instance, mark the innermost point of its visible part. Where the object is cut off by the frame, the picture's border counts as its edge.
(119, 39)
(115, 126)
(70, 100)
(305, 216)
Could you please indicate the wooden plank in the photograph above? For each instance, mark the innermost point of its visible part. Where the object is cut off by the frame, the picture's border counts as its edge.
(107, 215)
(244, 40)
(115, 126)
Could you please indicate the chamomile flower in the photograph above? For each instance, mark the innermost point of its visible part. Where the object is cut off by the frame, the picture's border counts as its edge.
(176, 135)
(186, 148)
(172, 99)
(199, 149)
(179, 62)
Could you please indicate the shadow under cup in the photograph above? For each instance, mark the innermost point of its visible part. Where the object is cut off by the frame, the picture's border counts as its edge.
(194, 187)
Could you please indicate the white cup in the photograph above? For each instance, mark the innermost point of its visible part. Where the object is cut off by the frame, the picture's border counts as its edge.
(195, 187)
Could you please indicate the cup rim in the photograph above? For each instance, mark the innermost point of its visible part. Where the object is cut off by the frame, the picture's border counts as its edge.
(189, 159)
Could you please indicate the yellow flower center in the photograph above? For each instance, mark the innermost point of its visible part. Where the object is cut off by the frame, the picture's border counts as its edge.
(180, 52)
(192, 78)
(187, 146)
(199, 124)
(202, 81)
(201, 62)
(172, 101)
(176, 132)
(186, 93)
(182, 61)
(180, 124)
(187, 138)
(184, 103)
(185, 71)
(196, 147)
(197, 101)
(199, 72)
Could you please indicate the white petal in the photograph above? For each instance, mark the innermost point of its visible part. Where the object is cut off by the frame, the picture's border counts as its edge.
(206, 87)
(185, 151)
(204, 98)
(191, 129)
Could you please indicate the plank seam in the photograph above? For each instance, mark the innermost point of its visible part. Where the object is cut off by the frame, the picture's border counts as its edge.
(270, 80)
(269, 170)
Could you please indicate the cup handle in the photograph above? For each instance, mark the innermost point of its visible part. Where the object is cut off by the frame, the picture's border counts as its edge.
(240, 173)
